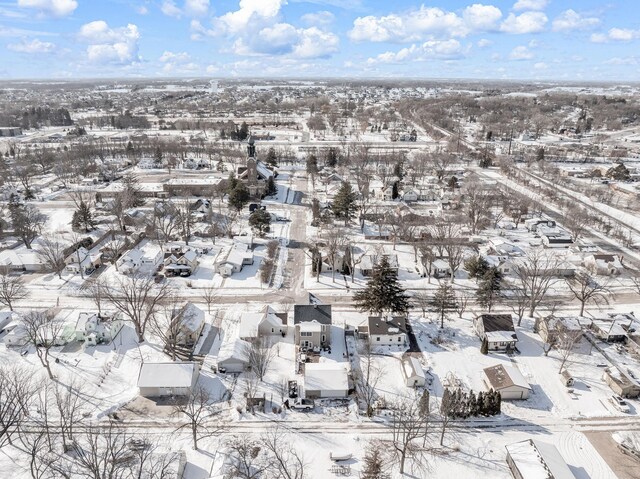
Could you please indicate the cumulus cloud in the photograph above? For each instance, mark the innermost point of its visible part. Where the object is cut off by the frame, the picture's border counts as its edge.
(521, 53)
(110, 45)
(196, 7)
(484, 43)
(57, 8)
(285, 39)
(424, 23)
(431, 49)
(170, 9)
(33, 46)
(180, 61)
(616, 35)
(570, 20)
(249, 11)
(318, 18)
(527, 22)
(530, 4)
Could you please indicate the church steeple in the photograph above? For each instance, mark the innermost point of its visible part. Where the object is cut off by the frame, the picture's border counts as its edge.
(251, 147)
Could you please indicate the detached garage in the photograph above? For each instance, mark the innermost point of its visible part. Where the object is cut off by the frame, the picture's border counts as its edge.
(167, 379)
(508, 381)
(326, 380)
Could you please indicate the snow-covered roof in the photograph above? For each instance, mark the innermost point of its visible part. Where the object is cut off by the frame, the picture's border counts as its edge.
(236, 349)
(249, 323)
(412, 367)
(502, 377)
(192, 317)
(328, 376)
(159, 375)
(501, 336)
(310, 326)
(539, 460)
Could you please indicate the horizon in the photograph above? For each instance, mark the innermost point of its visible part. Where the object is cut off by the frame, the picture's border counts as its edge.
(523, 40)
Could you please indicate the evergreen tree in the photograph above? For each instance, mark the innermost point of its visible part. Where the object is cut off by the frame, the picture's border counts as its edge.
(480, 404)
(453, 183)
(243, 133)
(272, 188)
(489, 288)
(373, 463)
(272, 158)
(472, 405)
(83, 218)
(158, 155)
(315, 210)
(484, 347)
(497, 403)
(423, 404)
(239, 197)
(476, 267)
(344, 203)
(232, 182)
(394, 191)
(488, 403)
(444, 301)
(383, 291)
(331, 159)
(260, 221)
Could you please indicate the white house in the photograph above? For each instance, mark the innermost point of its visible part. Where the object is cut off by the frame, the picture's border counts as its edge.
(21, 260)
(182, 261)
(410, 195)
(146, 257)
(167, 379)
(233, 356)
(413, 373)
(326, 380)
(264, 324)
(94, 329)
(603, 264)
(385, 330)
(5, 318)
(17, 334)
(507, 380)
(237, 257)
(534, 459)
(440, 268)
(191, 323)
(82, 260)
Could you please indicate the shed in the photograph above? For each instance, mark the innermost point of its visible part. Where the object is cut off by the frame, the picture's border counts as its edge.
(508, 381)
(326, 380)
(167, 379)
(413, 372)
(621, 383)
(534, 459)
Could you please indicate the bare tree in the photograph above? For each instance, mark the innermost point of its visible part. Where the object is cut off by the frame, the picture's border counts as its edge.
(44, 332)
(422, 301)
(407, 428)
(202, 416)
(138, 298)
(209, 296)
(518, 301)
(186, 218)
(260, 354)
(335, 240)
(16, 394)
(535, 274)
(51, 252)
(565, 343)
(102, 452)
(168, 326)
(286, 462)
(12, 288)
(368, 376)
(27, 222)
(462, 299)
(248, 459)
(164, 223)
(96, 288)
(71, 407)
(586, 289)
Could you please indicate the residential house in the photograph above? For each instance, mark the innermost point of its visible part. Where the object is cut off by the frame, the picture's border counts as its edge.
(167, 379)
(182, 262)
(369, 261)
(264, 324)
(17, 335)
(233, 356)
(83, 261)
(604, 264)
(413, 373)
(533, 224)
(21, 260)
(410, 195)
(191, 320)
(440, 268)
(610, 330)
(94, 329)
(386, 330)
(506, 380)
(551, 327)
(312, 325)
(326, 380)
(147, 257)
(5, 318)
(556, 239)
(498, 330)
(238, 256)
(534, 459)
(621, 382)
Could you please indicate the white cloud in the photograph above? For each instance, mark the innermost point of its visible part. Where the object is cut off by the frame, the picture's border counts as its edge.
(57, 8)
(142, 10)
(196, 7)
(530, 4)
(484, 43)
(315, 43)
(170, 9)
(527, 22)
(174, 57)
(285, 39)
(34, 46)
(249, 10)
(110, 45)
(521, 53)
(425, 23)
(540, 66)
(570, 20)
(318, 18)
(432, 49)
(616, 35)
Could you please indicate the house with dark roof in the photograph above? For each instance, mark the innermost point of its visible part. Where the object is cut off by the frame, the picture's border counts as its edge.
(312, 325)
(498, 330)
(387, 330)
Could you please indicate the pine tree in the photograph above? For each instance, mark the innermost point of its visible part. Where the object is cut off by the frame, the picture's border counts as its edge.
(344, 202)
(484, 347)
(489, 288)
(476, 267)
(498, 403)
(472, 405)
(332, 158)
(238, 197)
(260, 221)
(423, 404)
(444, 301)
(373, 463)
(232, 182)
(83, 218)
(272, 188)
(383, 291)
(487, 404)
(480, 404)
(272, 158)
(394, 191)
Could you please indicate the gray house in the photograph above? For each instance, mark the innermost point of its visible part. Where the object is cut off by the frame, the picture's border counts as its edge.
(498, 330)
(312, 325)
(167, 379)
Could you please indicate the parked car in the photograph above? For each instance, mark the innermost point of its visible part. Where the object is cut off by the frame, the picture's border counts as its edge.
(303, 404)
(185, 274)
(619, 403)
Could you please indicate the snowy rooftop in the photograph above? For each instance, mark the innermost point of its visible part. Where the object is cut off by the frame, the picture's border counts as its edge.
(538, 460)
(328, 376)
(501, 377)
(158, 375)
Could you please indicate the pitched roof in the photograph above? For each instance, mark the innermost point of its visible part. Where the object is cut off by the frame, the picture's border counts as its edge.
(502, 377)
(178, 374)
(312, 312)
(387, 325)
(497, 322)
(539, 460)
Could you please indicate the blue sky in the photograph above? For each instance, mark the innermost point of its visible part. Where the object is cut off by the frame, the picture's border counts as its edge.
(516, 39)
